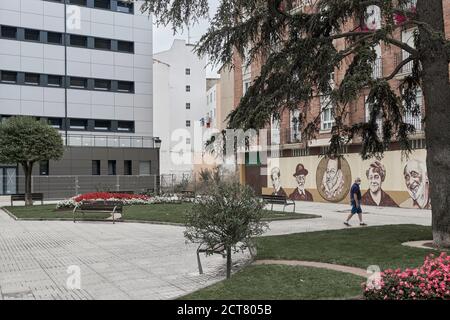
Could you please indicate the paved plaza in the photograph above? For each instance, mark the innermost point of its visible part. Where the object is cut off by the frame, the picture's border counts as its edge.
(132, 260)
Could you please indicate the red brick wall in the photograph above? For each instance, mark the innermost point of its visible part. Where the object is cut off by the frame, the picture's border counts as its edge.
(356, 111)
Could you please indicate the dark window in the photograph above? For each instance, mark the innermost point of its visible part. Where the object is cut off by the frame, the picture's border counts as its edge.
(188, 88)
(78, 41)
(9, 32)
(127, 167)
(9, 76)
(102, 125)
(54, 81)
(188, 106)
(43, 168)
(123, 6)
(104, 85)
(125, 86)
(125, 46)
(32, 35)
(55, 123)
(78, 82)
(95, 167)
(103, 44)
(188, 123)
(188, 71)
(102, 4)
(112, 167)
(126, 126)
(54, 37)
(78, 2)
(78, 124)
(32, 78)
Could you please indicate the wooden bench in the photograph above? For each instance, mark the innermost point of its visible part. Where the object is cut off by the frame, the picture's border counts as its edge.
(99, 207)
(122, 192)
(282, 200)
(188, 193)
(21, 197)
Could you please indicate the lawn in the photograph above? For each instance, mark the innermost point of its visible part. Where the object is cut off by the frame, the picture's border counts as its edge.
(169, 213)
(282, 283)
(358, 247)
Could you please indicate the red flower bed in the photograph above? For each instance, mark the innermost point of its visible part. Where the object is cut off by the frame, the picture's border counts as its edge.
(430, 281)
(108, 196)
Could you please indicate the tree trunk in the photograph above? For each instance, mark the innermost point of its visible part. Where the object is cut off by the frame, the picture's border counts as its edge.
(228, 262)
(28, 169)
(436, 88)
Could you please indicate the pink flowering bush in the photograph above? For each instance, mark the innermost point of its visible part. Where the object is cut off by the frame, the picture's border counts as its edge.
(430, 281)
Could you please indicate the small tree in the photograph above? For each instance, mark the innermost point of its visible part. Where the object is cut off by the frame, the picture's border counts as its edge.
(229, 215)
(25, 140)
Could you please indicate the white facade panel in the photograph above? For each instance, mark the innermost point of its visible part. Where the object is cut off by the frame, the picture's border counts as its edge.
(9, 107)
(33, 108)
(32, 93)
(8, 17)
(34, 57)
(10, 92)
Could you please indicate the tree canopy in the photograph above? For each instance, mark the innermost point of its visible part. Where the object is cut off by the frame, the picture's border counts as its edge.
(24, 139)
(299, 55)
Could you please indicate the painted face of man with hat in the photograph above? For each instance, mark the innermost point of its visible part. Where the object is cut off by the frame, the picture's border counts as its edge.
(300, 176)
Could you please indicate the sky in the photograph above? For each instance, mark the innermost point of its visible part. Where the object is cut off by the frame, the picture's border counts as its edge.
(163, 36)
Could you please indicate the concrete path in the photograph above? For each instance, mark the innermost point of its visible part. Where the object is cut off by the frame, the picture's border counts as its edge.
(121, 261)
(356, 271)
(333, 216)
(135, 261)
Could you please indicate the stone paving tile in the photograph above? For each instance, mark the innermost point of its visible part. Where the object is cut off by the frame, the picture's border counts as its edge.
(134, 261)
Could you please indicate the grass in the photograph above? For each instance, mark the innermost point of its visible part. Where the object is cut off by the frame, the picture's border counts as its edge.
(168, 213)
(359, 247)
(271, 282)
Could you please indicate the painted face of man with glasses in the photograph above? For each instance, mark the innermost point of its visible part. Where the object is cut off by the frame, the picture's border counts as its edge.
(416, 180)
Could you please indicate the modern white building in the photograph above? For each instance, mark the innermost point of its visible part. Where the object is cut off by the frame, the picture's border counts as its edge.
(90, 77)
(179, 104)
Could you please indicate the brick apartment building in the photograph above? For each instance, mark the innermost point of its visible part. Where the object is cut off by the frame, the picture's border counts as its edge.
(291, 155)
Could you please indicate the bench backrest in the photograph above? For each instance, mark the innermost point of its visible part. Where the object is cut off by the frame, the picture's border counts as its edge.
(21, 196)
(273, 198)
(101, 206)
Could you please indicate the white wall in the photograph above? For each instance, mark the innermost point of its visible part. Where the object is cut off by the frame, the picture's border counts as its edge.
(44, 58)
(171, 97)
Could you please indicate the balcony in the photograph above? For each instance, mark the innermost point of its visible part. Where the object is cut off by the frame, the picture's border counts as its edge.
(110, 141)
(416, 121)
(377, 67)
(407, 68)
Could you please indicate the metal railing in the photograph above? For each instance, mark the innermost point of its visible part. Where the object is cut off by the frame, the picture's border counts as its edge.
(407, 68)
(377, 68)
(416, 121)
(109, 141)
(64, 187)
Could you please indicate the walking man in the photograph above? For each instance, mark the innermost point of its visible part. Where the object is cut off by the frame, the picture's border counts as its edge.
(355, 200)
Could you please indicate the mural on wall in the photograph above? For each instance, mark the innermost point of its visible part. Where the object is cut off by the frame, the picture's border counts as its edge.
(278, 190)
(417, 184)
(300, 193)
(391, 182)
(333, 178)
(376, 196)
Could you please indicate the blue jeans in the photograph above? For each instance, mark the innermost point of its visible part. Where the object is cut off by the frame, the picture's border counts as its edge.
(356, 209)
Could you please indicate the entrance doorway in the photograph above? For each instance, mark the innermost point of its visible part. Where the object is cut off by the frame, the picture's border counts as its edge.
(8, 180)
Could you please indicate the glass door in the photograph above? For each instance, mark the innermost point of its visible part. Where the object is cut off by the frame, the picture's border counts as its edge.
(11, 181)
(8, 181)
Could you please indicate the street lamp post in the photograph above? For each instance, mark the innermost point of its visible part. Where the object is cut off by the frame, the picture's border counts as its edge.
(157, 142)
